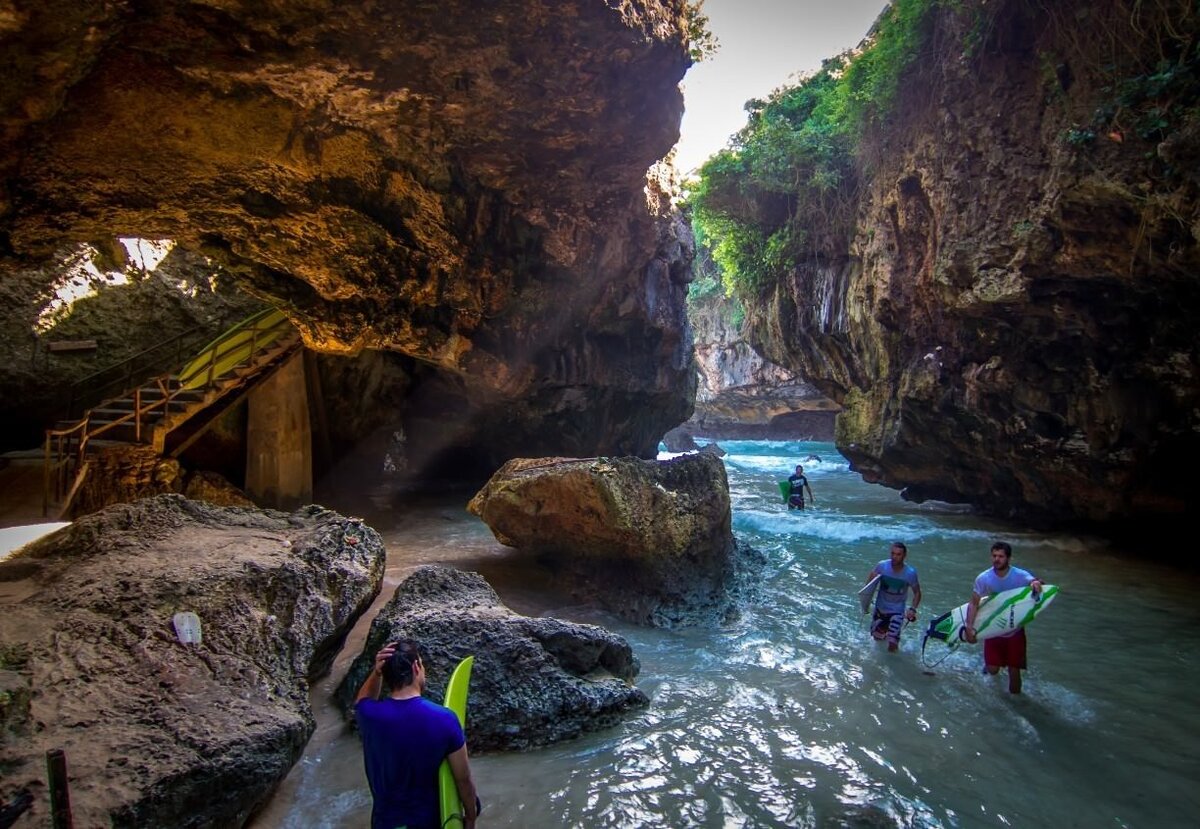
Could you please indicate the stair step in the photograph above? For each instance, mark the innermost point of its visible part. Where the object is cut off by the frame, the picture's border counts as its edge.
(108, 415)
(183, 404)
(126, 404)
(123, 433)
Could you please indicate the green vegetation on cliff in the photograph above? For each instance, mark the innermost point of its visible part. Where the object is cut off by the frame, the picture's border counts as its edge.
(706, 294)
(1147, 65)
(702, 43)
(786, 188)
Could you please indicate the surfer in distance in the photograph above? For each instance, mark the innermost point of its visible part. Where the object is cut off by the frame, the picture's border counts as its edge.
(405, 739)
(1008, 650)
(895, 579)
(798, 484)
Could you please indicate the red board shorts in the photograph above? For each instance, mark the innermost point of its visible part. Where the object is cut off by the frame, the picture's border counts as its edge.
(1002, 651)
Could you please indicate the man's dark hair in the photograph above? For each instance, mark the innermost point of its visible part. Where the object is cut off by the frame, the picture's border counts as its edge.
(901, 545)
(1005, 547)
(398, 670)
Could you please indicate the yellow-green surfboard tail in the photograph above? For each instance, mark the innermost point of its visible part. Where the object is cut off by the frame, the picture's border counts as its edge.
(456, 701)
(233, 348)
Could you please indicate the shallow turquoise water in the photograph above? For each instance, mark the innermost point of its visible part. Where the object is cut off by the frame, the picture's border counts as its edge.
(793, 716)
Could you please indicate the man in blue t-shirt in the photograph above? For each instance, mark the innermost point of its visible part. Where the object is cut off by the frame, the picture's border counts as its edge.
(1009, 649)
(895, 579)
(405, 739)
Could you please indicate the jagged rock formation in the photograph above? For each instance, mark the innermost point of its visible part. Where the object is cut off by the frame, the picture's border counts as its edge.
(126, 472)
(465, 187)
(158, 733)
(741, 395)
(1013, 323)
(534, 682)
(650, 540)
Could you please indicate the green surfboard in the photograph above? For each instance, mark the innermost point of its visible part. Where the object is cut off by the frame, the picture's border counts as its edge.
(785, 489)
(456, 701)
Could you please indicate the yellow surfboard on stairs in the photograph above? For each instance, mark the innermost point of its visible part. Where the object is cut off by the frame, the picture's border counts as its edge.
(234, 347)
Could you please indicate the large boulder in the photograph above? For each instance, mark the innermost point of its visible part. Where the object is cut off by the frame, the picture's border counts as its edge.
(156, 732)
(651, 540)
(534, 682)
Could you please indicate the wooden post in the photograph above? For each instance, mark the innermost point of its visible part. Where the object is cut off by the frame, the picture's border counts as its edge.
(60, 796)
(316, 405)
(46, 472)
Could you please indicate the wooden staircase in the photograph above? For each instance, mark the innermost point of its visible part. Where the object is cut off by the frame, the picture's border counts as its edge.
(170, 411)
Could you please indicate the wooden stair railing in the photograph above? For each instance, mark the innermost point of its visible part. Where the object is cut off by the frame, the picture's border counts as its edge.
(139, 368)
(234, 360)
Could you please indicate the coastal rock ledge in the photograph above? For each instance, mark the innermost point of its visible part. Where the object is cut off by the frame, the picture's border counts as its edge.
(156, 732)
(535, 681)
(649, 540)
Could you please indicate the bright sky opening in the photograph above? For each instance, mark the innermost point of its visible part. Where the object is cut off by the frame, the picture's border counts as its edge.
(764, 44)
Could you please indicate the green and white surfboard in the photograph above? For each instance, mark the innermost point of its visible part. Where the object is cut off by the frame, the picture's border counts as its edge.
(998, 615)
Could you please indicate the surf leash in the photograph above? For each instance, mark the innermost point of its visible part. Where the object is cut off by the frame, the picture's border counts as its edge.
(932, 631)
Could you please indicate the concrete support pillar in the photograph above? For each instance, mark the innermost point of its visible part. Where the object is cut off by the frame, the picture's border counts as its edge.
(279, 439)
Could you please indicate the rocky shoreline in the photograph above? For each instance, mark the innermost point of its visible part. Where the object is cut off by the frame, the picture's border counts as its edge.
(158, 732)
(536, 681)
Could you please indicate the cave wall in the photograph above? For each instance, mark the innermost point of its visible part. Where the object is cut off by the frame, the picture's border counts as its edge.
(1012, 324)
(463, 186)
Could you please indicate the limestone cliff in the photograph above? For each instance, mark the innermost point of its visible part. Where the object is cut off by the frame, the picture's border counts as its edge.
(741, 395)
(1012, 323)
(462, 185)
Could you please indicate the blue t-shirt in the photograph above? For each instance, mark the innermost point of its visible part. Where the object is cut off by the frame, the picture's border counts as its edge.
(893, 586)
(989, 584)
(404, 743)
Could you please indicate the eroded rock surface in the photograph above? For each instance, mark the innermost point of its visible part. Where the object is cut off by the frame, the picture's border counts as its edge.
(535, 681)
(1013, 320)
(650, 540)
(158, 733)
(463, 186)
(739, 394)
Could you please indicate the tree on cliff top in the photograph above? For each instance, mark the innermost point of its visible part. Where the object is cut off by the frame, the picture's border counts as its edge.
(785, 189)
